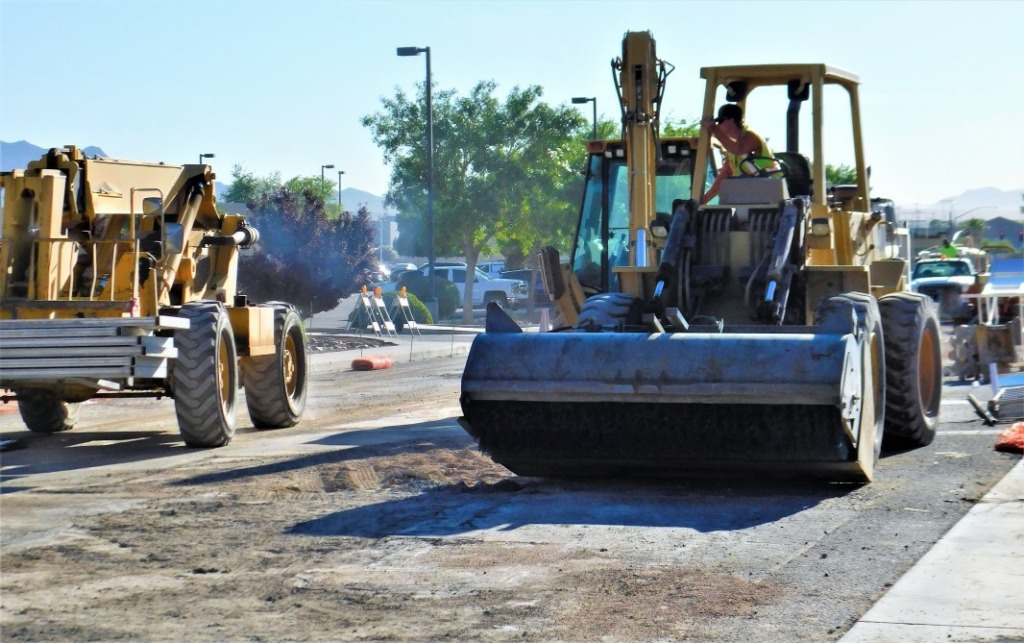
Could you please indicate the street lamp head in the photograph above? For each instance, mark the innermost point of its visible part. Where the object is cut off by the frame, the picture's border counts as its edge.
(327, 167)
(579, 100)
(206, 156)
(409, 51)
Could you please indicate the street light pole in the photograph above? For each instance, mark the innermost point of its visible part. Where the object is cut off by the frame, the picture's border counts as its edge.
(962, 215)
(340, 172)
(582, 100)
(205, 156)
(415, 51)
(322, 168)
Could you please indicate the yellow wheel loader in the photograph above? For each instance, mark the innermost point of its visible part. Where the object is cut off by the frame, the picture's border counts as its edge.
(119, 279)
(770, 330)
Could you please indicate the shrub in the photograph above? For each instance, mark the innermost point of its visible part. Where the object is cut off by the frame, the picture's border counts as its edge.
(358, 318)
(416, 283)
(419, 312)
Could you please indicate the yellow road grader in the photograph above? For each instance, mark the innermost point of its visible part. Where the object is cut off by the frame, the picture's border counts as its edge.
(119, 279)
(771, 329)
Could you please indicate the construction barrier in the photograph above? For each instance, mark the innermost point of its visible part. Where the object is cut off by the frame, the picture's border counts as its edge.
(401, 305)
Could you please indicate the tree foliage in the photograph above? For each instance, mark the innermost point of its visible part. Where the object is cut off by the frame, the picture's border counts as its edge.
(680, 127)
(502, 169)
(840, 174)
(975, 227)
(303, 256)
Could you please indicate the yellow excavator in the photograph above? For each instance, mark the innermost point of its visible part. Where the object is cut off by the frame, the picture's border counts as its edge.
(771, 329)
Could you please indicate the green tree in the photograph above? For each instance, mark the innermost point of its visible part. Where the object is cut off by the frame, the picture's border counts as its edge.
(497, 166)
(303, 256)
(975, 228)
(246, 187)
(840, 174)
(680, 127)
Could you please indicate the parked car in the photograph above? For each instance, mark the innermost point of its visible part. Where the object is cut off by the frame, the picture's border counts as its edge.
(505, 292)
(398, 268)
(540, 296)
(378, 274)
(945, 281)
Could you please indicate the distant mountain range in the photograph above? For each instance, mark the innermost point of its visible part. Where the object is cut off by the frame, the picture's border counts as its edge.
(981, 203)
(989, 202)
(17, 155)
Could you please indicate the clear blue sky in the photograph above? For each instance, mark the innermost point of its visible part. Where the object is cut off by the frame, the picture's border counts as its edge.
(281, 86)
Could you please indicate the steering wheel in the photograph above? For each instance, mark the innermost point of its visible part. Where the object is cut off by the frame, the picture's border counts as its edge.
(762, 172)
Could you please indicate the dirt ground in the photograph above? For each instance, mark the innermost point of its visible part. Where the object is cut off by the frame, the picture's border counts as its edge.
(313, 553)
(377, 519)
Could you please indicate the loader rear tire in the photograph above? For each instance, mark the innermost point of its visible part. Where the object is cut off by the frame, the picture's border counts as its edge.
(45, 413)
(913, 369)
(276, 385)
(204, 377)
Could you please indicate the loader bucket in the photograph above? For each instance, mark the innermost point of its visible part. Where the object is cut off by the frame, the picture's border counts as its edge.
(577, 404)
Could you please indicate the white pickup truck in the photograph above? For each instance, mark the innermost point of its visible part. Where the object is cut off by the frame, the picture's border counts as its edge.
(945, 280)
(505, 292)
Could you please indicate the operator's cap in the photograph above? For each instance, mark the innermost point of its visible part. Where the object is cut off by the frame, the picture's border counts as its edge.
(729, 111)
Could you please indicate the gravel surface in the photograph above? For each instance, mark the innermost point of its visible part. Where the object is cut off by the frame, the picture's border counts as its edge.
(322, 343)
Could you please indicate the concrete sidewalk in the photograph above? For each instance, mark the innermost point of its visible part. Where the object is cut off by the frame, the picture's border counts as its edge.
(968, 587)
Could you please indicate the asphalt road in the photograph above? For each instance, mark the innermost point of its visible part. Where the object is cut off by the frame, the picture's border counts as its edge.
(726, 560)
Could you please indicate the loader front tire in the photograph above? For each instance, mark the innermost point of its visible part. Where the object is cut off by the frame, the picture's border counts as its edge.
(276, 385)
(874, 393)
(205, 376)
(913, 369)
(43, 412)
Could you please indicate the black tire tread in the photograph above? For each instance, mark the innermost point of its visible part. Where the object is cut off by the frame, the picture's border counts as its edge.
(44, 413)
(269, 404)
(610, 311)
(201, 419)
(906, 317)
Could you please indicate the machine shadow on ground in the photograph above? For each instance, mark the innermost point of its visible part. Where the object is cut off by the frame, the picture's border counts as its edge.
(519, 502)
(37, 454)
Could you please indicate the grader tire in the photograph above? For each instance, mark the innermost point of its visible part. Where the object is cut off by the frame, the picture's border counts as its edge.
(205, 377)
(276, 385)
(913, 369)
(45, 413)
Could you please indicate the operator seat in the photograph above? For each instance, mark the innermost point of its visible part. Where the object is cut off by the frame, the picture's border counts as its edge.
(798, 172)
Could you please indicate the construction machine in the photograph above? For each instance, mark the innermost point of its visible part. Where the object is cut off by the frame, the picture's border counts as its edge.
(771, 329)
(119, 279)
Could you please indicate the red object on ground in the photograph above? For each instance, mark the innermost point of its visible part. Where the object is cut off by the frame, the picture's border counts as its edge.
(372, 363)
(1012, 439)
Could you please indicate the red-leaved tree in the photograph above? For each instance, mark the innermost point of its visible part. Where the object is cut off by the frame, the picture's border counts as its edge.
(303, 256)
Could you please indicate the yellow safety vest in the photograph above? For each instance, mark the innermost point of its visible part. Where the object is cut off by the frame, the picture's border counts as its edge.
(769, 163)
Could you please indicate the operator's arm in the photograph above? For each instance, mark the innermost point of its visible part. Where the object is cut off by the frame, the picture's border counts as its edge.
(712, 192)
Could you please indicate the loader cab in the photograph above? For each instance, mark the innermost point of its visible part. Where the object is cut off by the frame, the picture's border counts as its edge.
(602, 234)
